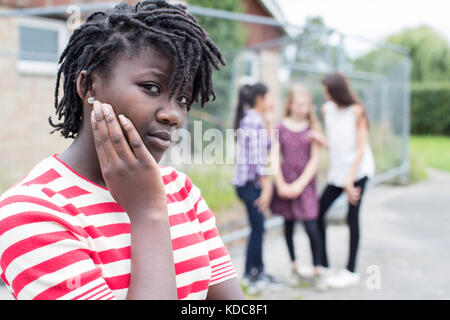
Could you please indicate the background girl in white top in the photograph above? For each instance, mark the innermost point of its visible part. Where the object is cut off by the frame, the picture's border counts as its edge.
(350, 164)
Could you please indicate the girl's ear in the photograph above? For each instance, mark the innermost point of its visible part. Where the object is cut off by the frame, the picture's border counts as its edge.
(80, 86)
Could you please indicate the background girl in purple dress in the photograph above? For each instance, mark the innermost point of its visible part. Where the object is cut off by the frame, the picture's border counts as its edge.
(295, 183)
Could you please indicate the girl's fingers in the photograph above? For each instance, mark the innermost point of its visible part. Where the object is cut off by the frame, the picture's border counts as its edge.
(102, 157)
(101, 134)
(116, 135)
(134, 138)
(354, 196)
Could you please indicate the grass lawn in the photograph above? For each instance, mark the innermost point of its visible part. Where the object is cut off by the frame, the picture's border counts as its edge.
(215, 185)
(434, 151)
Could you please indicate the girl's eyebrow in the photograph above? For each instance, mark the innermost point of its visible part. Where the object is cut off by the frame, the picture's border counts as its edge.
(161, 76)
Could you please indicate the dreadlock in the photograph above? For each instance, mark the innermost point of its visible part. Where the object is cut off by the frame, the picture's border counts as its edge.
(127, 29)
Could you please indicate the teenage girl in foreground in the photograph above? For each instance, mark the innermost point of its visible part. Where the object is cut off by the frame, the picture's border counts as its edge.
(350, 165)
(295, 182)
(102, 220)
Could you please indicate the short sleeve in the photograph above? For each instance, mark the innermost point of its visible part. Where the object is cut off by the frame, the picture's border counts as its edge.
(42, 255)
(257, 138)
(222, 268)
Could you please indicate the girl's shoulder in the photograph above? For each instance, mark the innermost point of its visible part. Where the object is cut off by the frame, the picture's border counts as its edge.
(328, 106)
(358, 110)
(280, 125)
(251, 119)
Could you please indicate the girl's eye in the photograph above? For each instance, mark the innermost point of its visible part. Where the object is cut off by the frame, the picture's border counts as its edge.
(153, 89)
(184, 100)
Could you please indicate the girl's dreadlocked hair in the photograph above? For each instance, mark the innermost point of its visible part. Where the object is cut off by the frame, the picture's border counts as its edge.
(127, 29)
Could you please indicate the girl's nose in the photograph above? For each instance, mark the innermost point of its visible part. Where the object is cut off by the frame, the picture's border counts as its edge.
(169, 114)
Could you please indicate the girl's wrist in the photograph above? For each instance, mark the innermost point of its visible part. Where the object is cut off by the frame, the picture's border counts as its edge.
(148, 215)
(349, 184)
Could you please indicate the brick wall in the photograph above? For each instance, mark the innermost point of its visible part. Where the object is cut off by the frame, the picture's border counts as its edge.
(258, 33)
(26, 102)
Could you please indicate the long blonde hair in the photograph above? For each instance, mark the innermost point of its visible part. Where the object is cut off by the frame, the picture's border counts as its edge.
(296, 90)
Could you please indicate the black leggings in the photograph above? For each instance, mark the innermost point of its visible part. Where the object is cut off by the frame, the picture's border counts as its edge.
(328, 197)
(312, 230)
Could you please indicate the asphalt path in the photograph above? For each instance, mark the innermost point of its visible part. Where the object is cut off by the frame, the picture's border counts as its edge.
(404, 247)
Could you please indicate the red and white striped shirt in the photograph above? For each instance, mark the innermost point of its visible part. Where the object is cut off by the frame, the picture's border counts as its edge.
(65, 237)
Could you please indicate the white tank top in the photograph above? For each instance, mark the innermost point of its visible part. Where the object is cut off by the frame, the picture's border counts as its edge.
(340, 127)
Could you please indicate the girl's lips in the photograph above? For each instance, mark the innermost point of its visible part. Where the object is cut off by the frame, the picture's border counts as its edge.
(164, 135)
(158, 142)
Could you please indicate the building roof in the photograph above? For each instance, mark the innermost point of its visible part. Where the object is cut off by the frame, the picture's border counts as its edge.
(274, 9)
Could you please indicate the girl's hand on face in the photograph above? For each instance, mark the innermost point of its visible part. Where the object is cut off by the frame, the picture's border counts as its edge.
(130, 171)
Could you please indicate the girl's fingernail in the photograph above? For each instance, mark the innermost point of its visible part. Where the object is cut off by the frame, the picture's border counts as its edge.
(106, 109)
(97, 107)
(123, 119)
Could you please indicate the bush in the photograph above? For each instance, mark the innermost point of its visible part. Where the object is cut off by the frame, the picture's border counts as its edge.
(430, 108)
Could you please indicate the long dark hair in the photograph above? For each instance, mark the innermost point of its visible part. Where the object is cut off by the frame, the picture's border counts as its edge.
(341, 92)
(247, 98)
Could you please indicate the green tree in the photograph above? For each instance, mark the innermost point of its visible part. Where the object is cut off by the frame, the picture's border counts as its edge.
(429, 52)
(229, 35)
(430, 72)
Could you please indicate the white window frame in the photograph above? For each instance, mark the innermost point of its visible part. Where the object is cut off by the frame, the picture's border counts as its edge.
(33, 67)
(252, 58)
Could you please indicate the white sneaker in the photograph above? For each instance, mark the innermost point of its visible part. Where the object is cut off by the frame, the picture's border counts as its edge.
(320, 283)
(253, 288)
(343, 279)
(326, 272)
(267, 281)
(306, 272)
(301, 276)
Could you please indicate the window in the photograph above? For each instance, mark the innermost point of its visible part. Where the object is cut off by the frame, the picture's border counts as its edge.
(247, 68)
(41, 42)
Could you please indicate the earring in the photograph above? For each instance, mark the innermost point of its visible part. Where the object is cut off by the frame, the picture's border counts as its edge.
(91, 100)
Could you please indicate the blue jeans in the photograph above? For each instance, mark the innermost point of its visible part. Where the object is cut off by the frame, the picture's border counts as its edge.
(254, 260)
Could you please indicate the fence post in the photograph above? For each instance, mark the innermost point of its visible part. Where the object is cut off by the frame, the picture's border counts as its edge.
(341, 54)
(404, 178)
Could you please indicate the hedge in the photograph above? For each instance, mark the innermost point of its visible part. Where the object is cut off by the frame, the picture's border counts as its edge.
(430, 108)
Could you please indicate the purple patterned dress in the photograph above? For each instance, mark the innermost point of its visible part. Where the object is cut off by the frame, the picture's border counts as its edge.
(296, 151)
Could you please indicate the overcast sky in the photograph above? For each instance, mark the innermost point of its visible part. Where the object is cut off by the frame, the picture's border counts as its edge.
(372, 19)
